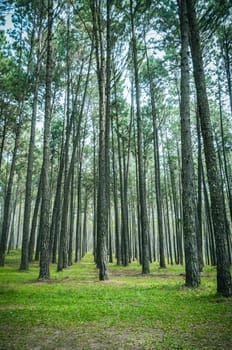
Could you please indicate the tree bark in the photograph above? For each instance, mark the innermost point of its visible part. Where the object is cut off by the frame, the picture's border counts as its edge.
(44, 272)
(192, 278)
(226, 47)
(102, 213)
(141, 172)
(199, 196)
(115, 196)
(34, 221)
(157, 165)
(228, 180)
(3, 135)
(6, 214)
(224, 286)
(28, 191)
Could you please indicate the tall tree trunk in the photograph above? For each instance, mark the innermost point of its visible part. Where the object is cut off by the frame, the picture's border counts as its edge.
(226, 47)
(192, 278)
(56, 214)
(124, 216)
(228, 232)
(95, 181)
(3, 135)
(115, 196)
(84, 229)
(142, 182)
(34, 221)
(228, 180)
(108, 111)
(6, 214)
(78, 221)
(28, 192)
(157, 165)
(19, 221)
(209, 223)
(63, 249)
(223, 268)
(71, 223)
(102, 213)
(13, 219)
(19, 122)
(62, 252)
(44, 272)
(199, 196)
(175, 205)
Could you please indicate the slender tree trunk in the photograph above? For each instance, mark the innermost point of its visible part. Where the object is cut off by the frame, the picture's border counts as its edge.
(173, 221)
(71, 223)
(19, 221)
(199, 196)
(44, 272)
(63, 249)
(123, 198)
(27, 205)
(84, 230)
(138, 200)
(3, 135)
(115, 195)
(228, 232)
(142, 182)
(192, 278)
(62, 253)
(95, 180)
(167, 216)
(56, 213)
(175, 202)
(6, 215)
(223, 268)
(226, 46)
(102, 213)
(228, 181)
(13, 219)
(34, 221)
(157, 166)
(108, 111)
(209, 223)
(78, 222)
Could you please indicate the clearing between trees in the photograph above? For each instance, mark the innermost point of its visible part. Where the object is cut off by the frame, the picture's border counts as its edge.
(74, 310)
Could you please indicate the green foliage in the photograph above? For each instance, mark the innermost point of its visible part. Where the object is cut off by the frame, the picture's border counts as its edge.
(11, 78)
(215, 14)
(74, 310)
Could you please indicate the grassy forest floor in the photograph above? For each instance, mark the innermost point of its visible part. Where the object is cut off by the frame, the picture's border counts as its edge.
(130, 311)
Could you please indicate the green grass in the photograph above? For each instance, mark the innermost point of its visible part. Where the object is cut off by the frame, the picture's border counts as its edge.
(130, 311)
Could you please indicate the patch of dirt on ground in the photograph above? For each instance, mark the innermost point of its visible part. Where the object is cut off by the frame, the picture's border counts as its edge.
(131, 273)
(94, 338)
(125, 273)
(101, 336)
